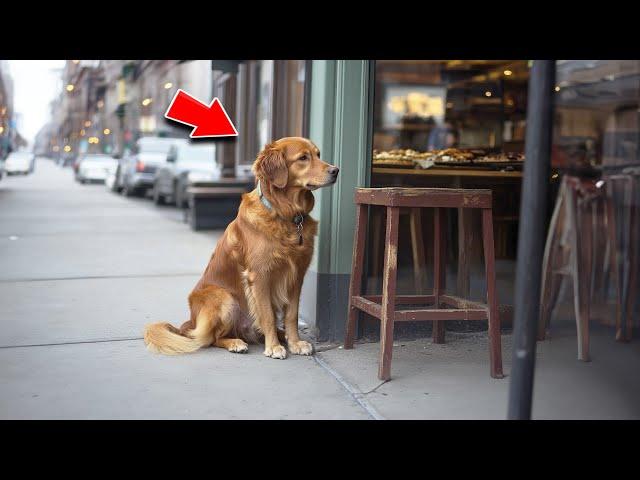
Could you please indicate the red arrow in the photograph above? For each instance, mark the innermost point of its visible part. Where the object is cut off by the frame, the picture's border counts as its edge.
(209, 121)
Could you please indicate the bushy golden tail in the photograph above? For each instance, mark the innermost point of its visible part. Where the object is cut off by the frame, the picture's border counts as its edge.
(165, 338)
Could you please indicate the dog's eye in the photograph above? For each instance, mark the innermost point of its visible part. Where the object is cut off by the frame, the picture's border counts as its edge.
(303, 158)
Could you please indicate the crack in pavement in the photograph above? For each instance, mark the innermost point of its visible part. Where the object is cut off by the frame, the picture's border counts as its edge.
(357, 396)
(98, 277)
(72, 343)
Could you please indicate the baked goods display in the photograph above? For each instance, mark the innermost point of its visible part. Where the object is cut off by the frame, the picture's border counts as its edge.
(408, 158)
(392, 158)
(505, 157)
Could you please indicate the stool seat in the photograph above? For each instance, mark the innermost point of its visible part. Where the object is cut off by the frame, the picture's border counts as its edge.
(424, 197)
(444, 306)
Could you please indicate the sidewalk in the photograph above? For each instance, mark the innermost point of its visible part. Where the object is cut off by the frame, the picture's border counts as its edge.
(82, 271)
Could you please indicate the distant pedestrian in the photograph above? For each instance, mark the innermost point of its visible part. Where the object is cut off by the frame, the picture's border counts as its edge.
(442, 137)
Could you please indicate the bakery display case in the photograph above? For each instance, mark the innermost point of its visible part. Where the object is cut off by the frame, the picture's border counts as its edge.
(469, 113)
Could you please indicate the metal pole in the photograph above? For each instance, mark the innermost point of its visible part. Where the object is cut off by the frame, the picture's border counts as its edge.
(531, 237)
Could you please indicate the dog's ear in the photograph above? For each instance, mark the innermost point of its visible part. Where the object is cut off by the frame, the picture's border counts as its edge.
(272, 166)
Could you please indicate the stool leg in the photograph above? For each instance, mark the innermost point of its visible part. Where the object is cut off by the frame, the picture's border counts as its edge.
(550, 284)
(417, 247)
(439, 269)
(388, 293)
(630, 268)
(465, 247)
(613, 253)
(580, 224)
(355, 286)
(377, 218)
(495, 347)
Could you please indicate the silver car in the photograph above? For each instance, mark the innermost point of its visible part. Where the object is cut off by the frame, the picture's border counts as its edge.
(187, 163)
(95, 168)
(19, 163)
(136, 172)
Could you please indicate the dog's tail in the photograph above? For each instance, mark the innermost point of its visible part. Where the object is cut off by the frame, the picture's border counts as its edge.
(164, 338)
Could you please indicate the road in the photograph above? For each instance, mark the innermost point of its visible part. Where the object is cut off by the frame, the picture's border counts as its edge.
(82, 271)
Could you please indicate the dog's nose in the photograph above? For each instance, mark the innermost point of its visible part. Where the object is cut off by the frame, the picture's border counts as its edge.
(333, 171)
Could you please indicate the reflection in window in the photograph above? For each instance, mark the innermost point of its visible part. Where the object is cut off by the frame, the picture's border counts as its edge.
(431, 105)
(596, 119)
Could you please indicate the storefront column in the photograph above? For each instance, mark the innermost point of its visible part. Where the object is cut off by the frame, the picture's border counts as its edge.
(531, 237)
(340, 123)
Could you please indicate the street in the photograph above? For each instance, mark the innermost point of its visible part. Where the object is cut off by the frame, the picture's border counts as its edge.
(83, 270)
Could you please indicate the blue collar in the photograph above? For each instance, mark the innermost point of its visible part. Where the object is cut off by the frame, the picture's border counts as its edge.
(263, 199)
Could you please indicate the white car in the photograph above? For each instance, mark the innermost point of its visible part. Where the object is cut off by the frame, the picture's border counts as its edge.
(96, 168)
(18, 162)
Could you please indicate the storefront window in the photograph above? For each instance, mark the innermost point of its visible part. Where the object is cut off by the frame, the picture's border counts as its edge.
(596, 117)
(433, 105)
(451, 124)
(594, 233)
(264, 102)
(271, 104)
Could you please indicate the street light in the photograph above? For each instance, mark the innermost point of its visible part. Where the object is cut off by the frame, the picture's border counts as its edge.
(168, 85)
(1, 129)
(67, 148)
(70, 87)
(106, 131)
(87, 123)
(146, 101)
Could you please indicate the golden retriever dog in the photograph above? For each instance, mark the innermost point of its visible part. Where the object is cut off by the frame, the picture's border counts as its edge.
(256, 271)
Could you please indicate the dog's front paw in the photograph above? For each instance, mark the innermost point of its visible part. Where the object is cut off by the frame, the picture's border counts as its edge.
(276, 352)
(238, 346)
(301, 348)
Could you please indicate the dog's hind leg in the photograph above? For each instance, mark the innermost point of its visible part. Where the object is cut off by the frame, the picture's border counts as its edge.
(234, 345)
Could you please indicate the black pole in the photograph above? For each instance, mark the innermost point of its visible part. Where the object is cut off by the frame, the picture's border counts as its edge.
(531, 236)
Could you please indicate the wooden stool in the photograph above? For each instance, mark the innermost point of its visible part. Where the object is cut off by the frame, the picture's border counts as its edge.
(575, 250)
(456, 308)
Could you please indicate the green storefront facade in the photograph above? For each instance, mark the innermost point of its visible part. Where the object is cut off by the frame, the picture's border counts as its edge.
(340, 123)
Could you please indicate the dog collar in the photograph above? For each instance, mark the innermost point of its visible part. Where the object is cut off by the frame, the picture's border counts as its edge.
(263, 199)
(298, 218)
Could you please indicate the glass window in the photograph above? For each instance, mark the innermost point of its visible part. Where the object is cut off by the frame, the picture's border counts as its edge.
(596, 114)
(197, 154)
(264, 102)
(450, 124)
(434, 105)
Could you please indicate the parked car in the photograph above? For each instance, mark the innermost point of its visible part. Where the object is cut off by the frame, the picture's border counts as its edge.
(136, 172)
(186, 163)
(95, 168)
(18, 163)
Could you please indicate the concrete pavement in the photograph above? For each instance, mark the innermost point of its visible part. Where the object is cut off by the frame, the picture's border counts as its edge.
(82, 271)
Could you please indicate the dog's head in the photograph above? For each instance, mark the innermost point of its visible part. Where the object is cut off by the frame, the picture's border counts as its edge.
(294, 162)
